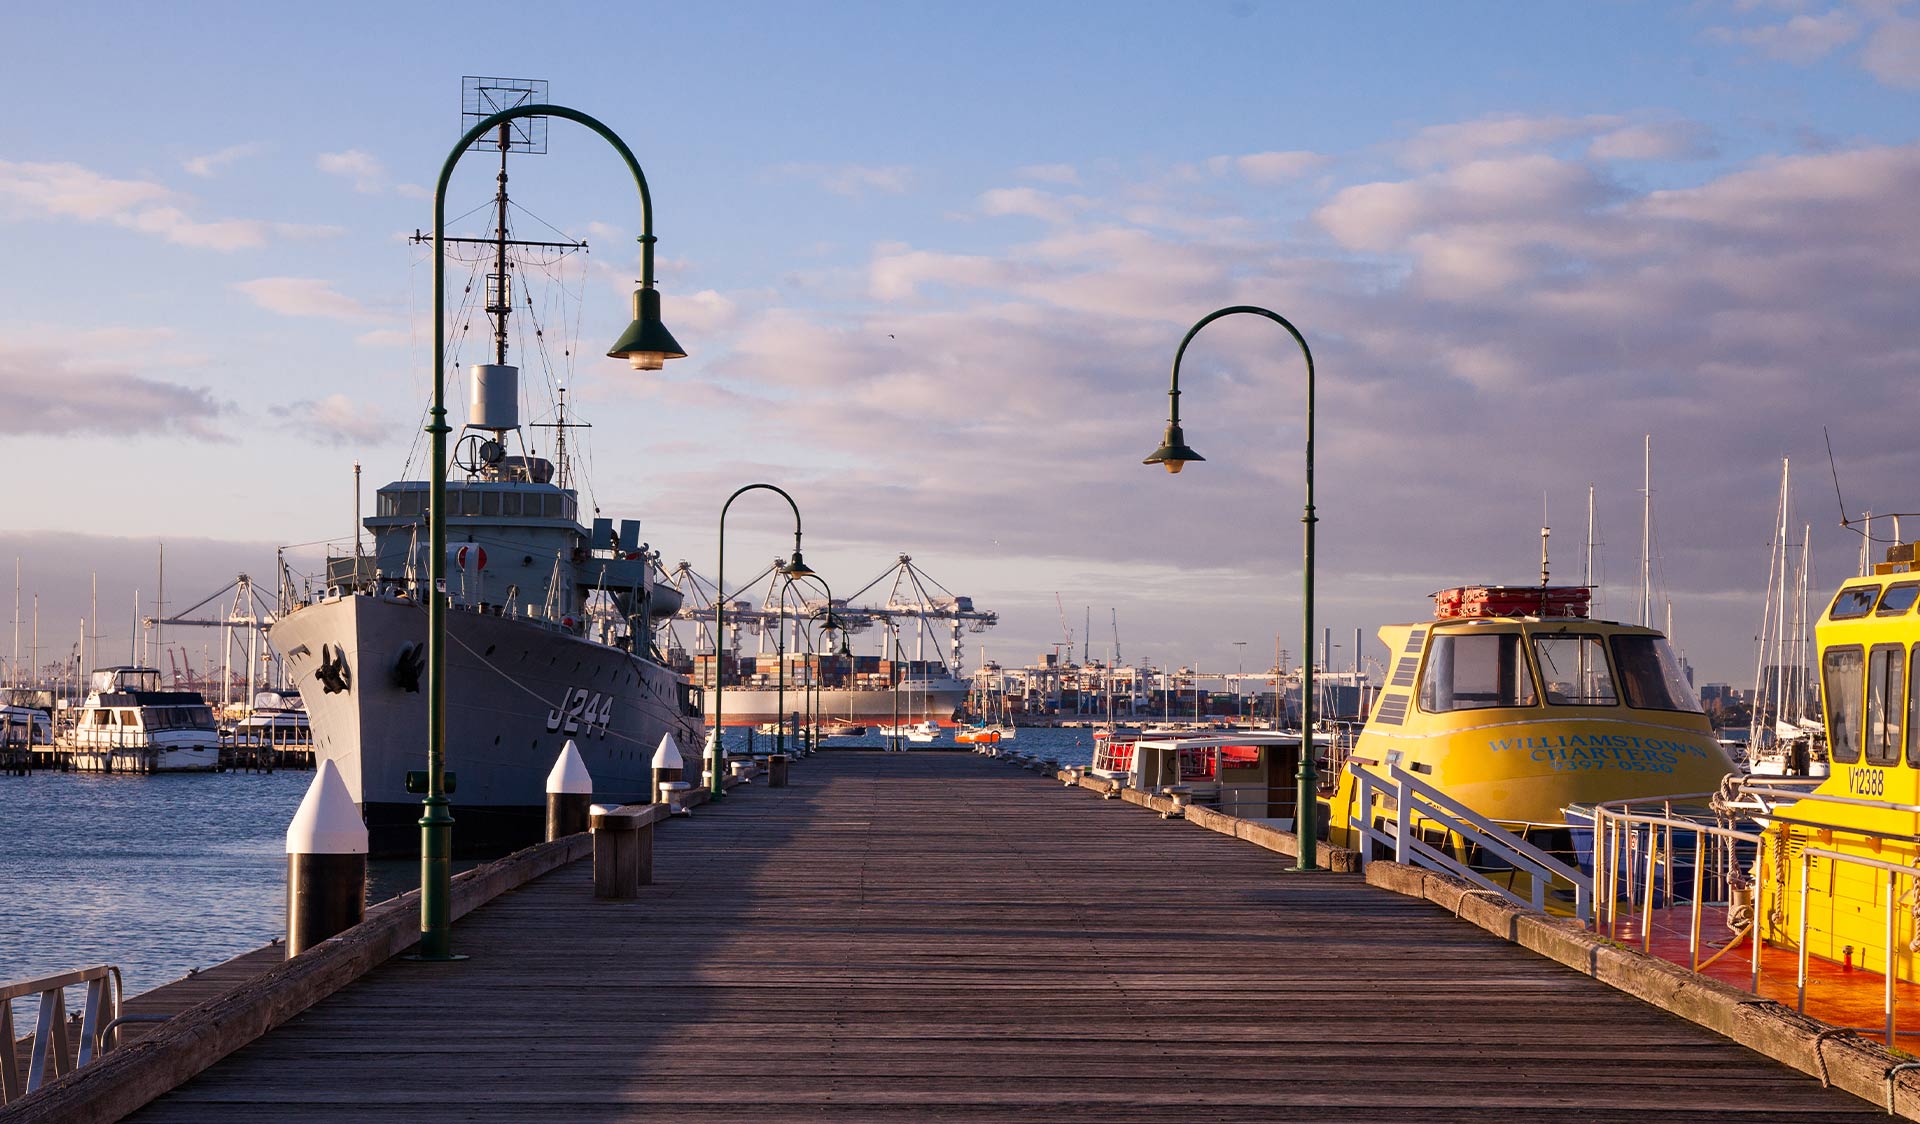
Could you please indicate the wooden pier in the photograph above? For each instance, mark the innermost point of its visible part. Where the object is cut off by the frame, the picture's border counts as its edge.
(935, 937)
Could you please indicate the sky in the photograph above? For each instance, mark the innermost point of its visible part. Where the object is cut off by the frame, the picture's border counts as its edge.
(931, 263)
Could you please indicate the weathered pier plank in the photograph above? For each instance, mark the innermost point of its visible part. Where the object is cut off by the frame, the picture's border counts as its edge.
(930, 938)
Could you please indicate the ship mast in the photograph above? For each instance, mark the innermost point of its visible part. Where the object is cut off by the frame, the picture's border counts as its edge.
(481, 98)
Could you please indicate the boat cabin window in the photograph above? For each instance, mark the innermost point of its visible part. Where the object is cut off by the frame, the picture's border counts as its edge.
(1465, 671)
(1574, 669)
(1897, 599)
(1650, 675)
(1840, 684)
(129, 718)
(510, 504)
(1886, 674)
(1853, 601)
(410, 502)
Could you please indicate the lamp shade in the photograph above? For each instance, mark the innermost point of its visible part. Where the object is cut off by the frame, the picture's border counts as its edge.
(1173, 452)
(798, 568)
(646, 343)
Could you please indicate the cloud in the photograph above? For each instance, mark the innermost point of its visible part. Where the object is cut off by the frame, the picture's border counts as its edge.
(68, 190)
(1268, 167)
(1445, 145)
(66, 395)
(1520, 318)
(1892, 54)
(1802, 40)
(366, 172)
(1383, 215)
(853, 180)
(384, 337)
(1031, 202)
(305, 296)
(213, 163)
(336, 420)
(1670, 141)
(1064, 174)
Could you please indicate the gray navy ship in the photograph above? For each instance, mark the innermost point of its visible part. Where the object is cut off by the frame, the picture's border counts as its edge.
(549, 625)
(548, 631)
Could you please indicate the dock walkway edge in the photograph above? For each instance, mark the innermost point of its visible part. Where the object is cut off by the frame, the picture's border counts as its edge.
(127, 1079)
(1840, 1057)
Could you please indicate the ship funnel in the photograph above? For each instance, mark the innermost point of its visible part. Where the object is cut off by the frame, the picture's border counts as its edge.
(494, 401)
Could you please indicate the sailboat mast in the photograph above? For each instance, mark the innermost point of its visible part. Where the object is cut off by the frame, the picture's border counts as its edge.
(1780, 636)
(1756, 721)
(1646, 532)
(13, 668)
(160, 606)
(1801, 629)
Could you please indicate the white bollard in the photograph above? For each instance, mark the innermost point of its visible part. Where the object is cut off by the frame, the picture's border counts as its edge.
(668, 765)
(326, 863)
(569, 792)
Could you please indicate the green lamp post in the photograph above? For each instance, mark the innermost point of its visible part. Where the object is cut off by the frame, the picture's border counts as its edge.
(1173, 455)
(830, 624)
(796, 567)
(647, 345)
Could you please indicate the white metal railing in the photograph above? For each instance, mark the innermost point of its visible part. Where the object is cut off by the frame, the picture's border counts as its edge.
(1636, 858)
(1894, 873)
(53, 1046)
(1409, 795)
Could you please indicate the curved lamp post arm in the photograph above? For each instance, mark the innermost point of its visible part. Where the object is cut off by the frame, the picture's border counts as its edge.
(815, 683)
(436, 821)
(718, 791)
(1174, 453)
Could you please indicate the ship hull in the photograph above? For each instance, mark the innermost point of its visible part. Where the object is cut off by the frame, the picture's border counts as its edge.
(517, 692)
(751, 706)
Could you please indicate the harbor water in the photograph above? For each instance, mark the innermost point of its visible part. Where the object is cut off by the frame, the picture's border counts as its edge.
(161, 875)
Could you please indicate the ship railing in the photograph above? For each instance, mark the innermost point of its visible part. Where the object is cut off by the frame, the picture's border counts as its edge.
(1894, 872)
(54, 1050)
(1407, 796)
(1651, 855)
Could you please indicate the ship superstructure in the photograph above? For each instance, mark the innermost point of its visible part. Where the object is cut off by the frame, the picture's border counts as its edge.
(548, 628)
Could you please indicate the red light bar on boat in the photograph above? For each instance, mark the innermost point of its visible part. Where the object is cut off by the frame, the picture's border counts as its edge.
(1467, 601)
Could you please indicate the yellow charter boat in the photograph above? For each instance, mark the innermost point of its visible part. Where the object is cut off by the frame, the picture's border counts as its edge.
(1513, 702)
(1838, 866)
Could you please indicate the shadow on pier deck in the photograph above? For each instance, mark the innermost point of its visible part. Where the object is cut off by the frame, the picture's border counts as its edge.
(928, 938)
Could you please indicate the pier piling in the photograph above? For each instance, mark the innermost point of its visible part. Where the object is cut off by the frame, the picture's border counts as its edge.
(668, 765)
(569, 794)
(326, 863)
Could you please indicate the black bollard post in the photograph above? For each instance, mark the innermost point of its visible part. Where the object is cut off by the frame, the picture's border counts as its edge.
(326, 863)
(569, 794)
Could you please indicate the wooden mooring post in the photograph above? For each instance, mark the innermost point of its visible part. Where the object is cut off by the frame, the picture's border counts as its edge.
(623, 848)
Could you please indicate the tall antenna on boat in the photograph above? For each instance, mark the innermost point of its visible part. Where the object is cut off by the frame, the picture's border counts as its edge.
(1545, 531)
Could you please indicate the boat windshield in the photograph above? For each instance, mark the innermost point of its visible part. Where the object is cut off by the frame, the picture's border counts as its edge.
(180, 718)
(1574, 668)
(1651, 676)
(1470, 671)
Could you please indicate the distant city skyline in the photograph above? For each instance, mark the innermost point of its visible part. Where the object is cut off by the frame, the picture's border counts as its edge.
(931, 264)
